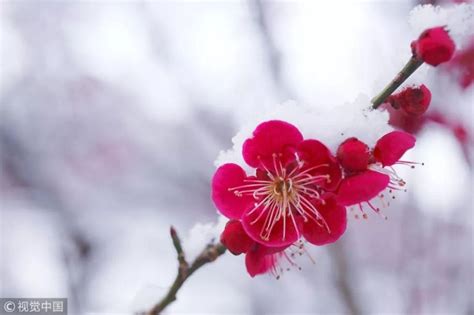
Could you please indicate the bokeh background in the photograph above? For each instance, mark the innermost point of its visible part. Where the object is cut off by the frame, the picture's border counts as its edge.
(113, 112)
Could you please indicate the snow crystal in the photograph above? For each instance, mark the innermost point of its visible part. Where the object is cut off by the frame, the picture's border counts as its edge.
(459, 20)
(330, 125)
(200, 235)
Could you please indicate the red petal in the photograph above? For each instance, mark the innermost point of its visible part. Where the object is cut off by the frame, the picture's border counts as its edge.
(399, 119)
(336, 218)
(229, 204)
(271, 137)
(314, 153)
(277, 238)
(353, 155)
(361, 187)
(391, 147)
(335, 175)
(235, 238)
(258, 260)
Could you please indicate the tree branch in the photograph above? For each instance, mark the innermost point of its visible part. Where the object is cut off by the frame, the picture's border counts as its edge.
(210, 253)
(411, 66)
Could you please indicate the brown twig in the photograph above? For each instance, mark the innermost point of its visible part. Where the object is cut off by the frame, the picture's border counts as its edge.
(209, 254)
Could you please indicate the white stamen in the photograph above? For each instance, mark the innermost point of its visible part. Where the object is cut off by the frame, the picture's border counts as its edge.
(285, 194)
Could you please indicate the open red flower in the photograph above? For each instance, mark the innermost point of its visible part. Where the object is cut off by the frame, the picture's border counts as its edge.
(286, 198)
(412, 100)
(434, 46)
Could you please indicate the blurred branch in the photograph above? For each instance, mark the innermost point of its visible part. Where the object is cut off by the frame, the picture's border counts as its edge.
(267, 39)
(343, 284)
(210, 253)
(258, 7)
(26, 171)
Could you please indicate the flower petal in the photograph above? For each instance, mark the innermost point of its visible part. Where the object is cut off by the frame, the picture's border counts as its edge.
(229, 204)
(362, 187)
(283, 231)
(336, 218)
(259, 260)
(271, 137)
(391, 147)
(235, 238)
(314, 153)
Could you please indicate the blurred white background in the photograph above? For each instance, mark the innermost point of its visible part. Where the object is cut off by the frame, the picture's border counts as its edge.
(113, 112)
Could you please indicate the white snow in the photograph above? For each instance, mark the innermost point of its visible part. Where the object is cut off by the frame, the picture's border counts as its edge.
(202, 234)
(331, 125)
(459, 20)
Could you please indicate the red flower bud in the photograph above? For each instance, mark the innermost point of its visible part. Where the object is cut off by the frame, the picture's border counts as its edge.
(353, 155)
(413, 101)
(235, 238)
(434, 46)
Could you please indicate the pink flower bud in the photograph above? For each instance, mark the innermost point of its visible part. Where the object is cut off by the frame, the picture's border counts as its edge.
(434, 46)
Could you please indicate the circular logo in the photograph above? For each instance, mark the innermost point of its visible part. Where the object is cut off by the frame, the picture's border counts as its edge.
(9, 306)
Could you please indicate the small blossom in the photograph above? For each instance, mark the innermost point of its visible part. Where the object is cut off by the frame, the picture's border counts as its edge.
(434, 46)
(297, 191)
(287, 195)
(412, 100)
(366, 184)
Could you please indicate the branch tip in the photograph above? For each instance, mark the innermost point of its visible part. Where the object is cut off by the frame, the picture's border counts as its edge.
(173, 232)
(210, 253)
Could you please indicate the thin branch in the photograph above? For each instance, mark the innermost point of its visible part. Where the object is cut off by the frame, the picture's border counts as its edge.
(411, 66)
(210, 253)
(262, 18)
(339, 256)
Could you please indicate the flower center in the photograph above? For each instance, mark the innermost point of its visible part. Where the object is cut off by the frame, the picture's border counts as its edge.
(283, 188)
(285, 195)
